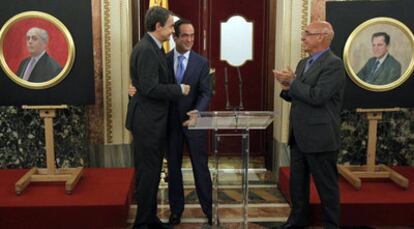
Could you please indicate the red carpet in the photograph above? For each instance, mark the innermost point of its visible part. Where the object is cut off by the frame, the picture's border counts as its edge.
(100, 200)
(378, 203)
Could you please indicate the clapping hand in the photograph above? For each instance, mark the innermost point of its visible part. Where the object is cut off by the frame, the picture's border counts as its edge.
(284, 77)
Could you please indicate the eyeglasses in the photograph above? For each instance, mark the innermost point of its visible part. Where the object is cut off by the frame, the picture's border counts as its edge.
(307, 34)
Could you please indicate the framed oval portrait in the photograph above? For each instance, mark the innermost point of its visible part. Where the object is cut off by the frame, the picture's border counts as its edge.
(378, 55)
(36, 50)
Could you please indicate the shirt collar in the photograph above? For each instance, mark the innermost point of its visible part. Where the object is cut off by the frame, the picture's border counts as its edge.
(383, 58)
(36, 58)
(316, 56)
(176, 54)
(159, 43)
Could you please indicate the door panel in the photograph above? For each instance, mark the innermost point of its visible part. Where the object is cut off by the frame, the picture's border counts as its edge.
(252, 72)
(206, 16)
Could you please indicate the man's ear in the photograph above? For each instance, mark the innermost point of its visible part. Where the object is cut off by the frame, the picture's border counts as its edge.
(158, 26)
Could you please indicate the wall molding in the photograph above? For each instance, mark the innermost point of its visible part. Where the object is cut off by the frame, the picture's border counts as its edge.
(117, 45)
(107, 71)
(292, 16)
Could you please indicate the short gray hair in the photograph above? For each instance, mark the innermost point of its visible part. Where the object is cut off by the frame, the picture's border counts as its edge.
(156, 14)
(44, 36)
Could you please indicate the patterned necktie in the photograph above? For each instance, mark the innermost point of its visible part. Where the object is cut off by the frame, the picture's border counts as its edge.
(370, 77)
(180, 69)
(29, 69)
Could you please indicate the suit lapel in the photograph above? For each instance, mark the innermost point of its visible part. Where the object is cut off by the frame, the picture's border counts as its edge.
(164, 64)
(159, 52)
(315, 66)
(189, 68)
(170, 62)
(301, 68)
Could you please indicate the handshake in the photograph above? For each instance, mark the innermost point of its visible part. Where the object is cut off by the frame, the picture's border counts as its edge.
(185, 89)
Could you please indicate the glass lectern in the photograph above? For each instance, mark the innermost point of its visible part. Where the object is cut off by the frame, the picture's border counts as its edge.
(232, 120)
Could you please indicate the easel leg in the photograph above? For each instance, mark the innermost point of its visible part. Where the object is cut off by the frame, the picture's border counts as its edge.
(24, 181)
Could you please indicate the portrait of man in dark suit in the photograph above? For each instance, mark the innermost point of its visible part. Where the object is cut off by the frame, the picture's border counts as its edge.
(382, 68)
(39, 66)
(315, 91)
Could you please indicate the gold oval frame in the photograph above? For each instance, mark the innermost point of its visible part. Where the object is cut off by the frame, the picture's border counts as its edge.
(354, 77)
(71, 50)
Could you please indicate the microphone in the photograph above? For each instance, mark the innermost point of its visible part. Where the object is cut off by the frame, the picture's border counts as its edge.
(240, 88)
(226, 87)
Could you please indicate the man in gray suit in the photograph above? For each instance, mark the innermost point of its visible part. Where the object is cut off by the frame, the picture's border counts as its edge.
(148, 111)
(382, 68)
(315, 90)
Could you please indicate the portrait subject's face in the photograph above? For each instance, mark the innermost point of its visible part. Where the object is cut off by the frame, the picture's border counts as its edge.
(185, 40)
(379, 47)
(35, 45)
(166, 30)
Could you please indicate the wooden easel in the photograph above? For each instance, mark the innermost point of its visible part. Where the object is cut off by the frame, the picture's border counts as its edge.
(353, 174)
(70, 176)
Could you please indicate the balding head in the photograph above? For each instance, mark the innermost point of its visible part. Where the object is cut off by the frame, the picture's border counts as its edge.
(317, 36)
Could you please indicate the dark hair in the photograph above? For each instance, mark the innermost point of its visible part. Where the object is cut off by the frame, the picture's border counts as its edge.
(154, 15)
(382, 34)
(178, 24)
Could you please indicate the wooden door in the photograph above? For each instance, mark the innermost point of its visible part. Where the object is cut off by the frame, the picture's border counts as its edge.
(253, 72)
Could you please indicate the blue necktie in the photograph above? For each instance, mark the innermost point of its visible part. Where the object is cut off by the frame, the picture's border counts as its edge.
(180, 69)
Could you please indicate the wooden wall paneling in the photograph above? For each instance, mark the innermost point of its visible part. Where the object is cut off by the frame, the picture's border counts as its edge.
(253, 72)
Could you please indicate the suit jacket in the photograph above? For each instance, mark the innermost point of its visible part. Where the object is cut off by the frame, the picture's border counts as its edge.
(388, 71)
(195, 75)
(148, 108)
(45, 69)
(316, 96)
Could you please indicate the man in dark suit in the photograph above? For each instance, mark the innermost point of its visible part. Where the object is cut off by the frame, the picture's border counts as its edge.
(190, 68)
(39, 67)
(148, 112)
(315, 91)
(382, 68)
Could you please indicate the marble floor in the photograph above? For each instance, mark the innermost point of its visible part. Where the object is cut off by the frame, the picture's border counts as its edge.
(267, 208)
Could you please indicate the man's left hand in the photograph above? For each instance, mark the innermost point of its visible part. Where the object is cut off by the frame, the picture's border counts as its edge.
(192, 118)
(131, 90)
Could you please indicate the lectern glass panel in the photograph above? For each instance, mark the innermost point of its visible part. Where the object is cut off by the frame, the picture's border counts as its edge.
(233, 120)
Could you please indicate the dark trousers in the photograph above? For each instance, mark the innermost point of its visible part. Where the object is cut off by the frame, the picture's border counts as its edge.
(148, 162)
(197, 144)
(323, 168)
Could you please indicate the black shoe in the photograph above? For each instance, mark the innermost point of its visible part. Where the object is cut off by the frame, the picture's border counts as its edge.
(288, 226)
(159, 225)
(174, 219)
(210, 221)
(140, 226)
